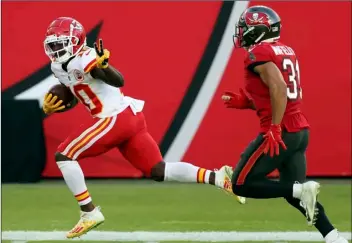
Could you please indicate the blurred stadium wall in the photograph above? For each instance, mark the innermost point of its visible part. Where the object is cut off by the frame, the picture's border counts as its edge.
(179, 58)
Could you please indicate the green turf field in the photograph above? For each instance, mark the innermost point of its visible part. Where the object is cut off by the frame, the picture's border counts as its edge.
(148, 206)
(162, 242)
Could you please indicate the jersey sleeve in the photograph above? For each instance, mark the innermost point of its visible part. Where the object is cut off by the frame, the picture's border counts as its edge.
(88, 60)
(258, 56)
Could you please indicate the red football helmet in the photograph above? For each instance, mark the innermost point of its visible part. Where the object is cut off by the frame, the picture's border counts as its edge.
(64, 38)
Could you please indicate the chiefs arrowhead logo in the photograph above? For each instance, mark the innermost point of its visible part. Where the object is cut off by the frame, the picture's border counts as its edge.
(78, 75)
(76, 25)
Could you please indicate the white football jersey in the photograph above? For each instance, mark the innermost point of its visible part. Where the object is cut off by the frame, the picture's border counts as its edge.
(101, 99)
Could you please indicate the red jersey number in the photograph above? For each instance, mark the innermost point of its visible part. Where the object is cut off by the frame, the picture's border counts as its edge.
(294, 92)
(88, 98)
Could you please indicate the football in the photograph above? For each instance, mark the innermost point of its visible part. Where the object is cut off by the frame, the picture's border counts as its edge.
(63, 93)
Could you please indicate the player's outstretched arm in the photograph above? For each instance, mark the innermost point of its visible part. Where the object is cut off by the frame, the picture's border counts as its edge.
(103, 70)
(272, 77)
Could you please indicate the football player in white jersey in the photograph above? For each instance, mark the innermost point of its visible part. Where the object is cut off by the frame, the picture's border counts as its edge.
(117, 121)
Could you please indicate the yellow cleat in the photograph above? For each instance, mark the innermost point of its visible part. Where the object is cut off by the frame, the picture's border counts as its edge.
(87, 222)
(223, 181)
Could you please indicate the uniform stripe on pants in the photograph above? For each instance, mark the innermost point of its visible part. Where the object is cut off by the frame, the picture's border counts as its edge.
(249, 164)
(89, 137)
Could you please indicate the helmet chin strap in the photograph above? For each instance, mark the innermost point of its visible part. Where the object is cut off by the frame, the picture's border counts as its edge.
(68, 54)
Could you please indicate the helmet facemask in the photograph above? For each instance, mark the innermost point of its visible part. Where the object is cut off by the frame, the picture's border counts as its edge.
(241, 35)
(60, 49)
(238, 36)
(246, 36)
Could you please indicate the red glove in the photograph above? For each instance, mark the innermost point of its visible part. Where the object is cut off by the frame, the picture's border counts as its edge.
(273, 140)
(237, 101)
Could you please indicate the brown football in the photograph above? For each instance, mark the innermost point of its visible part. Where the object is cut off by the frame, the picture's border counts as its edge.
(63, 93)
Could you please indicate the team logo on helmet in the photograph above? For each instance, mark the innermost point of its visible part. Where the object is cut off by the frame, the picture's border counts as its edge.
(257, 18)
(76, 25)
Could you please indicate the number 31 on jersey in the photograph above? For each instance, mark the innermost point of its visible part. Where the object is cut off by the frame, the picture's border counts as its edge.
(293, 78)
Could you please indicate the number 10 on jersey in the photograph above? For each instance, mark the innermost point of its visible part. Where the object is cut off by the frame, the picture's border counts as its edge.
(88, 98)
(293, 78)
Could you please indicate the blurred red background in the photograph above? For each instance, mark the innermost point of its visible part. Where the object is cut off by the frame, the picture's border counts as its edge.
(157, 46)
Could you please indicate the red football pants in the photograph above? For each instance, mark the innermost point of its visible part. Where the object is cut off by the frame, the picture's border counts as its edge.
(125, 131)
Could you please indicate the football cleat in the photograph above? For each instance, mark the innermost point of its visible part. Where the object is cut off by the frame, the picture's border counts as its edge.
(335, 237)
(87, 222)
(223, 181)
(340, 240)
(309, 197)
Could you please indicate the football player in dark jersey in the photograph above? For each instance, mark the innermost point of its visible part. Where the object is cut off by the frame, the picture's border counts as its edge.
(272, 88)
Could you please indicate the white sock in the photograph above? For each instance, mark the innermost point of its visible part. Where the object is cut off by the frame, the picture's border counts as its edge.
(297, 190)
(206, 176)
(185, 172)
(332, 236)
(74, 179)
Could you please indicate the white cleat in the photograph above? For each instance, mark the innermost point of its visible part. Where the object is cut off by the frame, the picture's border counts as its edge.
(334, 237)
(340, 240)
(223, 181)
(309, 197)
(88, 221)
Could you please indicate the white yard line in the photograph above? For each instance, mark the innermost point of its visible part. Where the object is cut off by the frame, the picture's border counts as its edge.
(145, 236)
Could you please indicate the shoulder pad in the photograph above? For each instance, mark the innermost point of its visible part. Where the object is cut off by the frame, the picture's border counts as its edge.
(85, 61)
(259, 53)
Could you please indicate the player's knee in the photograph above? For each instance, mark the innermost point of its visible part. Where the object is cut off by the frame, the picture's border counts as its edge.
(60, 157)
(158, 172)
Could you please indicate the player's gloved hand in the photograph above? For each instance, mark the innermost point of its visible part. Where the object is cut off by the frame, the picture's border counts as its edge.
(50, 105)
(102, 55)
(237, 101)
(273, 140)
